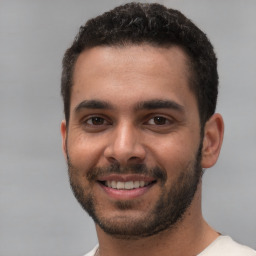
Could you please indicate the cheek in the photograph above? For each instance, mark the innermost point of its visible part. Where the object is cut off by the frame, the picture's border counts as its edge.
(175, 153)
(84, 152)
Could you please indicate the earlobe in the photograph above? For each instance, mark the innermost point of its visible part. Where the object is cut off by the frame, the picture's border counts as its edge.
(213, 137)
(63, 129)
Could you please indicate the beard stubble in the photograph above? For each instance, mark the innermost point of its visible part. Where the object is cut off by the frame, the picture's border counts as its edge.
(167, 212)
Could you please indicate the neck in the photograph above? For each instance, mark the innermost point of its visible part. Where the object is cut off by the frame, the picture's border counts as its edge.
(192, 234)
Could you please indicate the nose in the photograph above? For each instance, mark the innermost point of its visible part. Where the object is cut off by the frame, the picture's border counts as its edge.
(125, 146)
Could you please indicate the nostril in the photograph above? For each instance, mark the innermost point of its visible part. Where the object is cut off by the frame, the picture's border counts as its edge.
(124, 153)
(135, 160)
(112, 160)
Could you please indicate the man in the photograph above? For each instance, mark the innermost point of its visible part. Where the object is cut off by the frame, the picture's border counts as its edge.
(140, 86)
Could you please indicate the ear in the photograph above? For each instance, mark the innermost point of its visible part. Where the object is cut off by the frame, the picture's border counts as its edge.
(213, 137)
(63, 130)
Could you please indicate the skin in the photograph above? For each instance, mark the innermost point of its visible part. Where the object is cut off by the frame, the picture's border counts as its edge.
(125, 77)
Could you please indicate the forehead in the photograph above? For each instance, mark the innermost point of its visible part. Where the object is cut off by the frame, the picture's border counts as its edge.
(139, 58)
(130, 73)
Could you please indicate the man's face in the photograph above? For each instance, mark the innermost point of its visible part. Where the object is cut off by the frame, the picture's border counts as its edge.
(133, 140)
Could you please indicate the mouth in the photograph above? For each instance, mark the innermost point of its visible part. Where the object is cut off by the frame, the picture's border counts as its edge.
(126, 185)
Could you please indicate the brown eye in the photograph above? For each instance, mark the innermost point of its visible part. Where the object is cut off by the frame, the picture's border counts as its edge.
(96, 120)
(159, 120)
(159, 123)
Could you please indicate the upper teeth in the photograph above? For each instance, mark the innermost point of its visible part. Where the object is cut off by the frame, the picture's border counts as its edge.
(126, 185)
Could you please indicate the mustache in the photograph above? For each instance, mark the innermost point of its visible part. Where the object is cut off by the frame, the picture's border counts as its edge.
(155, 172)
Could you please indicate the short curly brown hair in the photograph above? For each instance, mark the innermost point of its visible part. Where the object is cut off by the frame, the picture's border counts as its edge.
(154, 24)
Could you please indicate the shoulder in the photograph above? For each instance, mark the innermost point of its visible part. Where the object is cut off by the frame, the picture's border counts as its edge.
(92, 252)
(225, 245)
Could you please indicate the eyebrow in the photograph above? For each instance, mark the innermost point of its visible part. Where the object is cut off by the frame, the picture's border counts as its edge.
(92, 104)
(159, 103)
(144, 105)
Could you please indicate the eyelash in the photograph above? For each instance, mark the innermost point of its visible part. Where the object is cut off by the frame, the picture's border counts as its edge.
(162, 121)
(100, 118)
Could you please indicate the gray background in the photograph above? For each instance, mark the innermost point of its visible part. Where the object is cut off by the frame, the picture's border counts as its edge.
(38, 214)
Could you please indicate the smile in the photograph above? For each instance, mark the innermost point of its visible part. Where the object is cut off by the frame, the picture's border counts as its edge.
(127, 185)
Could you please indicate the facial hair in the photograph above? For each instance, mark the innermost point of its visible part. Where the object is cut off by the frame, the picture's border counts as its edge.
(167, 212)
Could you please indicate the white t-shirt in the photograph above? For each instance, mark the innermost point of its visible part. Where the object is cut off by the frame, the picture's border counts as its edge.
(222, 246)
(226, 246)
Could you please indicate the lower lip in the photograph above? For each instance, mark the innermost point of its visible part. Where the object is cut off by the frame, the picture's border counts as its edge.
(122, 194)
